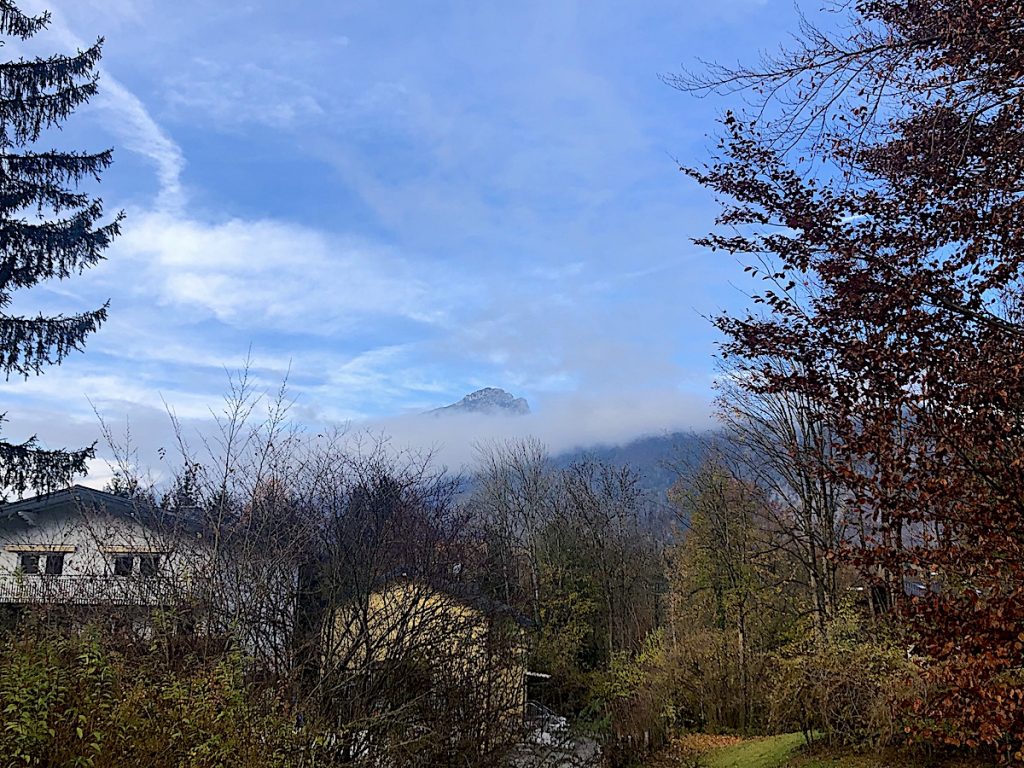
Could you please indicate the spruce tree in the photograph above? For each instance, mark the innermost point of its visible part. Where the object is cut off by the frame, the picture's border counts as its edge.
(48, 229)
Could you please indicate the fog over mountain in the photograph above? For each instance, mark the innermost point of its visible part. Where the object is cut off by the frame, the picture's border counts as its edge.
(621, 428)
(657, 456)
(647, 433)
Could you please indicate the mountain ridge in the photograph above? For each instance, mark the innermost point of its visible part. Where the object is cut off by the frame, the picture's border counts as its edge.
(490, 401)
(658, 459)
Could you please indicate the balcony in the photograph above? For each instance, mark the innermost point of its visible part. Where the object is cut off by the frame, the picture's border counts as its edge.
(38, 589)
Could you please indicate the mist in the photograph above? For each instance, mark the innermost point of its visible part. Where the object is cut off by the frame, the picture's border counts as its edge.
(563, 422)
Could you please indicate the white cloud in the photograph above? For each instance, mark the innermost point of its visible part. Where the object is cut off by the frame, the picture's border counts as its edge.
(139, 133)
(271, 274)
(74, 391)
(237, 93)
(562, 422)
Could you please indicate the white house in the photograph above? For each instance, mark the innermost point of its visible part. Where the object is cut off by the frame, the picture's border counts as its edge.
(83, 547)
(87, 547)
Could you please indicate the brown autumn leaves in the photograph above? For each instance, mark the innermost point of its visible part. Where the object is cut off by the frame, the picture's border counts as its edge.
(879, 196)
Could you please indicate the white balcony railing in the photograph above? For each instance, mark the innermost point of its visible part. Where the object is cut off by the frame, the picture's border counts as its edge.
(38, 589)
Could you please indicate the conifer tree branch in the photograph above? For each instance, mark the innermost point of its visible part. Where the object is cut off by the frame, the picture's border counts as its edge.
(52, 249)
(29, 77)
(16, 23)
(28, 344)
(23, 120)
(25, 466)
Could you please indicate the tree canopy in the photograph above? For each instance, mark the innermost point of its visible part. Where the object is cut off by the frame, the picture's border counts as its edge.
(877, 192)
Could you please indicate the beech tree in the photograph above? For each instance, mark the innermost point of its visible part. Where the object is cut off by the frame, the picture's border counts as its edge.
(877, 191)
(48, 229)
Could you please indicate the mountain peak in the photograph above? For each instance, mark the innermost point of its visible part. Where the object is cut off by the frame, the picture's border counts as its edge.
(489, 401)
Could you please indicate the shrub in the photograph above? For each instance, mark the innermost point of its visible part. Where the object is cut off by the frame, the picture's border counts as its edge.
(633, 700)
(80, 700)
(843, 688)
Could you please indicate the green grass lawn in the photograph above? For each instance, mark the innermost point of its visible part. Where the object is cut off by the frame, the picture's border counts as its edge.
(785, 752)
(772, 752)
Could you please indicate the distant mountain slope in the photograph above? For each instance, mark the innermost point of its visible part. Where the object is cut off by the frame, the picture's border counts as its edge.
(658, 459)
(490, 401)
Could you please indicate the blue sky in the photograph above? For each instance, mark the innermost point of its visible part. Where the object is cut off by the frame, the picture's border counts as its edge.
(400, 202)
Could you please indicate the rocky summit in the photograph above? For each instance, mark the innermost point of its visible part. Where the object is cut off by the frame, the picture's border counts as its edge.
(488, 401)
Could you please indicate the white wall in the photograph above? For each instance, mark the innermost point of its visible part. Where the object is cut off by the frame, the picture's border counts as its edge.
(90, 541)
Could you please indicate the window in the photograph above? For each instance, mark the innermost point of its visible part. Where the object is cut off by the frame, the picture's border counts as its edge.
(123, 565)
(54, 564)
(49, 563)
(149, 565)
(137, 564)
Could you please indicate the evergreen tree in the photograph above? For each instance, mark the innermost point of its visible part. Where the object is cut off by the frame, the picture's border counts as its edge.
(48, 229)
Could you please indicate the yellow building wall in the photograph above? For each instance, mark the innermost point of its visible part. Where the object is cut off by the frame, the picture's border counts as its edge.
(410, 620)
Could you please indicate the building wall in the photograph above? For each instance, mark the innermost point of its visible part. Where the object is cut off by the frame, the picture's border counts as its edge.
(89, 543)
(410, 619)
(244, 592)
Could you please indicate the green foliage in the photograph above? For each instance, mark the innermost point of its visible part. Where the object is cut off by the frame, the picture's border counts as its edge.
(733, 603)
(629, 673)
(562, 640)
(594, 577)
(844, 687)
(633, 698)
(78, 700)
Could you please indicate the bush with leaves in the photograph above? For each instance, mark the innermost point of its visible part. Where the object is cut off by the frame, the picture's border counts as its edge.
(845, 688)
(634, 695)
(90, 699)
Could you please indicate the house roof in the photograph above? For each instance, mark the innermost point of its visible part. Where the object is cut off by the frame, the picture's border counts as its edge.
(79, 498)
(466, 593)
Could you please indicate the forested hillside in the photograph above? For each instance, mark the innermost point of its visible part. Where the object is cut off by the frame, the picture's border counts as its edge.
(658, 460)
